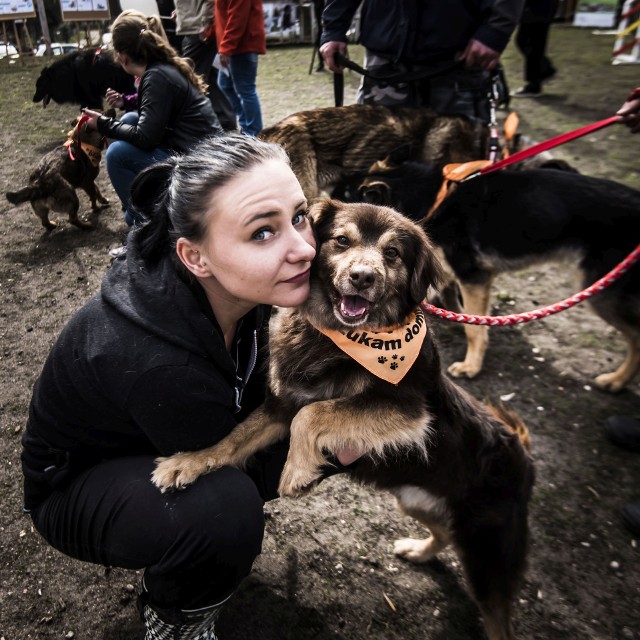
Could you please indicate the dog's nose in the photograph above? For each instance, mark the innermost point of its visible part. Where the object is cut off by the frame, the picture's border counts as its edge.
(362, 277)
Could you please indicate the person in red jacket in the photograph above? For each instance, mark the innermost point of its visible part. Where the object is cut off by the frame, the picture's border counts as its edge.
(241, 38)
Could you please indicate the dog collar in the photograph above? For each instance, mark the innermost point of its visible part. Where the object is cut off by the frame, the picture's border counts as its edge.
(452, 174)
(93, 153)
(388, 353)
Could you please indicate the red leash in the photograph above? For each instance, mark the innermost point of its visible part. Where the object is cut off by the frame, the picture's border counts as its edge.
(519, 318)
(545, 145)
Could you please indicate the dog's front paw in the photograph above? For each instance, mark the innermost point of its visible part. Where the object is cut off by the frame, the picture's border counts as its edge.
(463, 369)
(610, 382)
(296, 482)
(178, 471)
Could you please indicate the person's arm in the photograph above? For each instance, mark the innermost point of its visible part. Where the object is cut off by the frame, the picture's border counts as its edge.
(156, 105)
(630, 111)
(492, 36)
(336, 20)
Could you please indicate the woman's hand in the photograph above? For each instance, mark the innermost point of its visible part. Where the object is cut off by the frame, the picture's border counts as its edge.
(114, 98)
(92, 123)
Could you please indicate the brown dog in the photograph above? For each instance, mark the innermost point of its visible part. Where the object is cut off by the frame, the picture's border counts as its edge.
(458, 468)
(330, 144)
(53, 183)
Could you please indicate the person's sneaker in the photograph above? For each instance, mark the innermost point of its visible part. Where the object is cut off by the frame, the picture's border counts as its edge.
(528, 91)
(631, 517)
(623, 431)
(116, 252)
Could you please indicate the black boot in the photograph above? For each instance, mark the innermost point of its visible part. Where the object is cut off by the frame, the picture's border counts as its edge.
(174, 624)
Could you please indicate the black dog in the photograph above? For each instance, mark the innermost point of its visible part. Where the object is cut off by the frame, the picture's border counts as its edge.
(507, 220)
(82, 77)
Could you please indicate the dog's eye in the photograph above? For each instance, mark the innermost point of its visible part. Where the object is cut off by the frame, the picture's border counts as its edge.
(342, 241)
(391, 252)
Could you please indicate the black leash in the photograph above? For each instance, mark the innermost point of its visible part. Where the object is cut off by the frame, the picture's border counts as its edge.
(402, 76)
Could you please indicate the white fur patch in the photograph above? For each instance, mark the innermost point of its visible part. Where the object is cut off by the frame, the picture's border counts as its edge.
(415, 500)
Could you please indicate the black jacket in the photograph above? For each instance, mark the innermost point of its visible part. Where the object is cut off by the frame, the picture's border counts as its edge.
(423, 30)
(174, 114)
(141, 368)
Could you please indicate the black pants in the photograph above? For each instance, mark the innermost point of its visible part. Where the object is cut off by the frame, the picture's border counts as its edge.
(531, 39)
(195, 545)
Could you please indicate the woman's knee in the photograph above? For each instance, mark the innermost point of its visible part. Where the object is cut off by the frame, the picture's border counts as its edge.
(226, 509)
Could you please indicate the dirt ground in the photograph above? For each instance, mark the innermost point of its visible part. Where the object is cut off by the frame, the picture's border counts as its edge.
(327, 571)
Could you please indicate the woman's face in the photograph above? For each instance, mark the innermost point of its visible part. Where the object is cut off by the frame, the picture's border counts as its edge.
(259, 244)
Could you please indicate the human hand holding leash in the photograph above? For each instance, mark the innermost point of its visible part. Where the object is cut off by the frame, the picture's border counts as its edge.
(480, 56)
(630, 111)
(328, 51)
(93, 116)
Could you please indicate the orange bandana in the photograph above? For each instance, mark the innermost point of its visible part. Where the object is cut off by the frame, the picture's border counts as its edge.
(388, 354)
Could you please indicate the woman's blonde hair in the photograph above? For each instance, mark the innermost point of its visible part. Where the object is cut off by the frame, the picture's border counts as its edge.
(144, 40)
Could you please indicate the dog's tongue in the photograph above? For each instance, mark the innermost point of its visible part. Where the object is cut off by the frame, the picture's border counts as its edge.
(45, 101)
(353, 306)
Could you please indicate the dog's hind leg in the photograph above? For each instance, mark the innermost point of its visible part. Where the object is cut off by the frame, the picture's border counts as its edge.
(475, 299)
(72, 206)
(41, 209)
(433, 514)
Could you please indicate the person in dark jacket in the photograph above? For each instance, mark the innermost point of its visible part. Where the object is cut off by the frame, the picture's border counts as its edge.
(413, 34)
(174, 112)
(167, 357)
(531, 39)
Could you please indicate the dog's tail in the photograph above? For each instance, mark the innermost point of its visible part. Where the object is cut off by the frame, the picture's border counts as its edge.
(18, 197)
(513, 422)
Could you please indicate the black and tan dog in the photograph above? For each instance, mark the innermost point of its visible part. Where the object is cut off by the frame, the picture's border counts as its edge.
(357, 367)
(330, 144)
(508, 220)
(53, 183)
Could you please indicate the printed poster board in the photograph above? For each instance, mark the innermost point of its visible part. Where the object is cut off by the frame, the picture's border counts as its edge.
(73, 10)
(600, 14)
(13, 9)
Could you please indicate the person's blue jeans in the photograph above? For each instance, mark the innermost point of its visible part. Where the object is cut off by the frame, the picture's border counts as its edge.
(239, 85)
(124, 162)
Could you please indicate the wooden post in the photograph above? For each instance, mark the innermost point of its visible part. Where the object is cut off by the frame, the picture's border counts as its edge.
(42, 16)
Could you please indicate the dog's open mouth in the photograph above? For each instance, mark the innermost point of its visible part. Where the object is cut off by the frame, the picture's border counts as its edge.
(45, 101)
(352, 309)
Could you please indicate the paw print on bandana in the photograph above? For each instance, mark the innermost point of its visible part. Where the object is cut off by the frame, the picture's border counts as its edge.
(382, 360)
(394, 356)
(401, 358)
(394, 365)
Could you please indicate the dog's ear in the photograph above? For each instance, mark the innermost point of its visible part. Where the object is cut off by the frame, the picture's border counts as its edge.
(377, 192)
(427, 271)
(322, 214)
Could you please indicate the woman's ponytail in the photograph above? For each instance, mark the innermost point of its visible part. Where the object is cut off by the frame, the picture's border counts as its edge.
(151, 200)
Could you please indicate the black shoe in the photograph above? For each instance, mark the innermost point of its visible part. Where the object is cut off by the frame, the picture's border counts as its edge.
(631, 517)
(623, 431)
(528, 91)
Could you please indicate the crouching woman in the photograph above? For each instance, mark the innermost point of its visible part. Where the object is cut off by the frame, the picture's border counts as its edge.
(167, 358)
